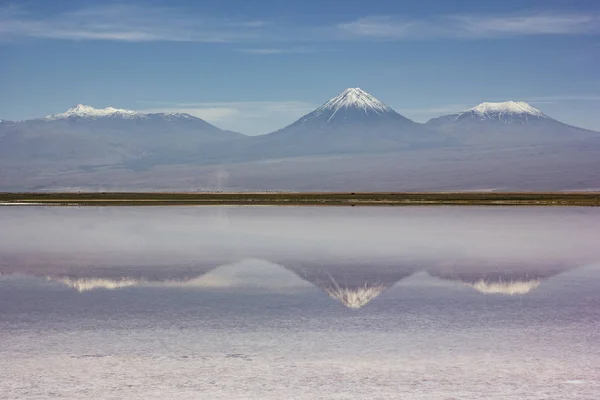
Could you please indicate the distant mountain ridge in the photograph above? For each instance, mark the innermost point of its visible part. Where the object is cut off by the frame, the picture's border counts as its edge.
(508, 112)
(354, 125)
(352, 106)
(506, 123)
(106, 135)
(82, 111)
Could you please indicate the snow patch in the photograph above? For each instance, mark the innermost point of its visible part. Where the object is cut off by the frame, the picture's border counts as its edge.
(507, 107)
(354, 297)
(507, 111)
(84, 111)
(353, 98)
(88, 284)
(509, 288)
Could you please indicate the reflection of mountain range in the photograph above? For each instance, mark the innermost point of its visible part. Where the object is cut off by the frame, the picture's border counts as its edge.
(87, 284)
(113, 267)
(354, 284)
(248, 274)
(510, 288)
(513, 279)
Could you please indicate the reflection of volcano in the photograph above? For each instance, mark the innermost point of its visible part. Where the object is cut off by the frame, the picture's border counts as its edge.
(85, 272)
(249, 273)
(513, 279)
(510, 288)
(124, 279)
(352, 283)
(87, 284)
(355, 297)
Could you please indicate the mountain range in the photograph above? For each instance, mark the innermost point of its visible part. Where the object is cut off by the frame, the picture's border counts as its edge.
(353, 126)
(108, 134)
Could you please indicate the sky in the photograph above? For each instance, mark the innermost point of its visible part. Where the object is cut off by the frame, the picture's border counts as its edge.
(256, 66)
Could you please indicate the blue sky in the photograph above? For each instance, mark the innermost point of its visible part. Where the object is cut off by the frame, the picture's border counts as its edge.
(255, 66)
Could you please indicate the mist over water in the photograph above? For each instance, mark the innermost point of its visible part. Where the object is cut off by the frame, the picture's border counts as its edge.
(300, 302)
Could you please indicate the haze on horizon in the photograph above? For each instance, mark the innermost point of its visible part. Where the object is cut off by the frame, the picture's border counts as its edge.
(254, 68)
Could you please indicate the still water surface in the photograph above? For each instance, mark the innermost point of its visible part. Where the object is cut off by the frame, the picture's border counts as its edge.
(300, 303)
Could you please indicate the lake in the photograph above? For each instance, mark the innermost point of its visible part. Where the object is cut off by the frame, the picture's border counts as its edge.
(265, 302)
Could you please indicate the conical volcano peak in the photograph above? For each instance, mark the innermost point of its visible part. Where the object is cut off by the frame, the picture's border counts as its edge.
(351, 106)
(356, 98)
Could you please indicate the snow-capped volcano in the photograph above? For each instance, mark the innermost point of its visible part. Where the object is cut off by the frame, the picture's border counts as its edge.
(352, 122)
(353, 98)
(82, 111)
(131, 122)
(351, 106)
(509, 122)
(508, 112)
(491, 110)
(109, 134)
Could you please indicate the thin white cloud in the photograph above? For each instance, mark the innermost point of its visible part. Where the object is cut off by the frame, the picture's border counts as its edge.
(380, 28)
(276, 50)
(129, 23)
(143, 23)
(536, 24)
(469, 26)
(251, 118)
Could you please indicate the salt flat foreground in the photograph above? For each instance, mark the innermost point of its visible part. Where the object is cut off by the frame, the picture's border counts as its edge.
(228, 302)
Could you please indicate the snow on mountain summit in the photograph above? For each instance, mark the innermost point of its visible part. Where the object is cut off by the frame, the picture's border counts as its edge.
(504, 113)
(508, 112)
(89, 112)
(507, 107)
(355, 98)
(353, 121)
(353, 105)
(84, 111)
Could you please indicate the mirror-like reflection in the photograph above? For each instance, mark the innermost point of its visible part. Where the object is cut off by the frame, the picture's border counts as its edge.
(353, 285)
(380, 300)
